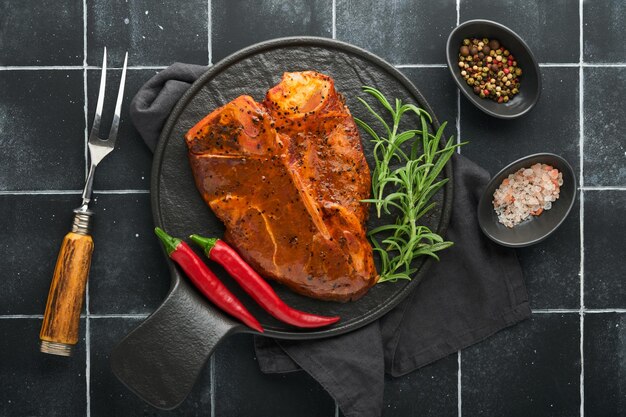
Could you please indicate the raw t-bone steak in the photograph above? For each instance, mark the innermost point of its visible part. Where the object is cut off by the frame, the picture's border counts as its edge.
(287, 177)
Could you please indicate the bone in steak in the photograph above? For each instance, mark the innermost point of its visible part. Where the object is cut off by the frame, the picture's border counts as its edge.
(287, 177)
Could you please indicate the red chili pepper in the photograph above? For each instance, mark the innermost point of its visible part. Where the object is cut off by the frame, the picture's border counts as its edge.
(205, 280)
(256, 286)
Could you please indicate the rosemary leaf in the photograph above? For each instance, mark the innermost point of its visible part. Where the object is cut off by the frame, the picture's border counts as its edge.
(406, 190)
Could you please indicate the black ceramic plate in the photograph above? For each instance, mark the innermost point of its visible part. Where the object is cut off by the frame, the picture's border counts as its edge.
(536, 228)
(177, 205)
(179, 209)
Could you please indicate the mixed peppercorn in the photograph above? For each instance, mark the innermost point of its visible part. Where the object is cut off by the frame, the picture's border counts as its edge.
(490, 69)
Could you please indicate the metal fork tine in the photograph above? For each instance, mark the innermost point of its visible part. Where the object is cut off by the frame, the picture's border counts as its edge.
(118, 105)
(95, 128)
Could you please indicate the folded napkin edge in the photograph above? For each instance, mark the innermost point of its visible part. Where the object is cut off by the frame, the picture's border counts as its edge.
(469, 338)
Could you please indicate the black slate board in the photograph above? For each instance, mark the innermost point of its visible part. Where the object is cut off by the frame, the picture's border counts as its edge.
(173, 343)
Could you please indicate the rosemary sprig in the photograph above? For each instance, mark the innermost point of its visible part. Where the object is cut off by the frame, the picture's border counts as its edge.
(407, 189)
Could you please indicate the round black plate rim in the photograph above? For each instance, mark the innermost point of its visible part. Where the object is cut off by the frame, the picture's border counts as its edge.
(306, 41)
(462, 86)
(508, 168)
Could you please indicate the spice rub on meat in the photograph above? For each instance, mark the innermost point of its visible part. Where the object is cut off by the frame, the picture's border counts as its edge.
(287, 177)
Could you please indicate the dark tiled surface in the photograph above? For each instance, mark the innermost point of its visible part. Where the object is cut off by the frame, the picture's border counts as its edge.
(440, 91)
(34, 384)
(605, 147)
(535, 21)
(110, 398)
(241, 390)
(605, 264)
(128, 168)
(37, 32)
(128, 271)
(240, 23)
(552, 267)
(552, 126)
(407, 32)
(42, 130)
(603, 31)
(32, 227)
(430, 391)
(604, 365)
(532, 369)
(153, 32)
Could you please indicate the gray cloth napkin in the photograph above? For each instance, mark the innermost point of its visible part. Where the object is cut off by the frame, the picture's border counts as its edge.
(475, 290)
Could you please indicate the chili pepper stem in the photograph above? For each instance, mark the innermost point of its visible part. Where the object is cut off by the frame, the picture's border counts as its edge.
(170, 243)
(206, 243)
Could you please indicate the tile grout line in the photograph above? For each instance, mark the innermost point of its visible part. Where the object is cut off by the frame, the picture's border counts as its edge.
(334, 19)
(88, 361)
(556, 311)
(76, 67)
(70, 192)
(334, 36)
(144, 315)
(581, 141)
(458, 105)
(603, 65)
(459, 389)
(212, 382)
(82, 316)
(87, 322)
(605, 310)
(160, 67)
(459, 395)
(118, 316)
(210, 31)
(420, 66)
(603, 188)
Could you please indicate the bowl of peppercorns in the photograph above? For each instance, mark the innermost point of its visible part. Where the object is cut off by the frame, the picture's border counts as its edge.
(494, 68)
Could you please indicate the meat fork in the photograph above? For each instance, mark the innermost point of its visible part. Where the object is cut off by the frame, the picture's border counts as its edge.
(59, 331)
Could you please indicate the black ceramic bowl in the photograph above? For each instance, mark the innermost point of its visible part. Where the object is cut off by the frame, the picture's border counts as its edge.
(530, 81)
(537, 228)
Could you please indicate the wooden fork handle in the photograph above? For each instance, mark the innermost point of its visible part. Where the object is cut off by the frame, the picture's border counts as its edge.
(59, 331)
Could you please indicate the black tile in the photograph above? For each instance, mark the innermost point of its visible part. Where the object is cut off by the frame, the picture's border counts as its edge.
(42, 129)
(439, 90)
(32, 227)
(603, 27)
(242, 390)
(429, 391)
(605, 367)
(532, 369)
(128, 167)
(550, 28)
(44, 32)
(552, 267)
(37, 384)
(604, 249)
(239, 23)
(552, 126)
(411, 32)
(604, 144)
(110, 398)
(153, 32)
(128, 271)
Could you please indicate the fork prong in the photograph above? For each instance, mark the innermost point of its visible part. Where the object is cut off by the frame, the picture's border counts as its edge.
(118, 104)
(95, 128)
